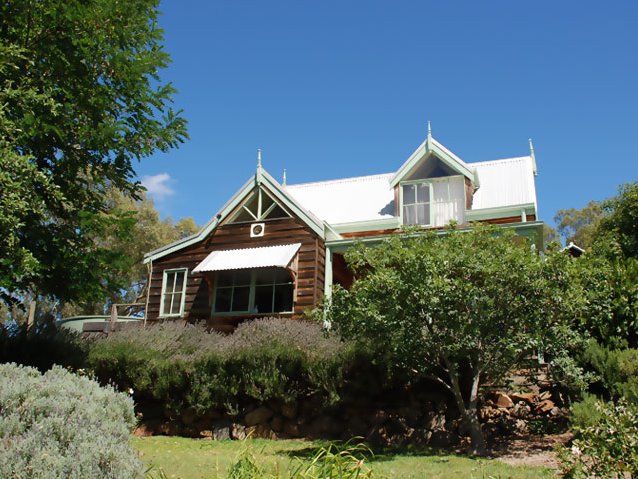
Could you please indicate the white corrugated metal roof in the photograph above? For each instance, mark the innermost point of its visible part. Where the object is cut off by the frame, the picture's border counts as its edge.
(506, 182)
(249, 258)
(347, 200)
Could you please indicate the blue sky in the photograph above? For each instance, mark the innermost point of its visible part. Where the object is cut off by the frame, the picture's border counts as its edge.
(345, 88)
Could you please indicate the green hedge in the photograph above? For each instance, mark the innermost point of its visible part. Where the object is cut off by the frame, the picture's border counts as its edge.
(183, 367)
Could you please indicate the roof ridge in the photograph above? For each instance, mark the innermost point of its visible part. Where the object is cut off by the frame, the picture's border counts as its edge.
(500, 160)
(340, 180)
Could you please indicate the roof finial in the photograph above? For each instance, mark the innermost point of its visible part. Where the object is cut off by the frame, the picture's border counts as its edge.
(531, 153)
(283, 183)
(429, 130)
(258, 157)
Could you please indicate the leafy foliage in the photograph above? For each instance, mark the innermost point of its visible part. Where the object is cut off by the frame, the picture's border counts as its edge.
(183, 366)
(80, 101)
(606, 444)
(59, 425)
(579, 225)
(616, 370)
(468, 304)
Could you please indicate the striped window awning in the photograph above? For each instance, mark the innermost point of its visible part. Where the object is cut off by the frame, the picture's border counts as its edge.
(247, 258)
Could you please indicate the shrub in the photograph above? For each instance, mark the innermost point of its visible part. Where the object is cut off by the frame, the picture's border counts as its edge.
(606, 444)
(616, 369)
(59, 425)
(41, 346)
(183, 366)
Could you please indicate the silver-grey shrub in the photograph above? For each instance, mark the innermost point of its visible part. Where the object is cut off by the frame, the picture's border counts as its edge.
(60, 425)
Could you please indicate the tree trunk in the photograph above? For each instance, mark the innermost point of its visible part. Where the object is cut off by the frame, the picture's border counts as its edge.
(469, 412)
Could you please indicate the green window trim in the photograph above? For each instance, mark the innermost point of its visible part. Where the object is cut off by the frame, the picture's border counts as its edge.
(175, 287)
(252, 290)
(416, 203)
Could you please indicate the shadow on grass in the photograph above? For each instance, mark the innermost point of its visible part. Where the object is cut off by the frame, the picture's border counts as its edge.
(378, 453)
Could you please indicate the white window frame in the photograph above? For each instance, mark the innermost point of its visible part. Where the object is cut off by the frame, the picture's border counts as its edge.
(164, 292)
(251, 297)
(430, 191)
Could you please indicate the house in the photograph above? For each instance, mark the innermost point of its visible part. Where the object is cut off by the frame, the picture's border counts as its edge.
(276, 249)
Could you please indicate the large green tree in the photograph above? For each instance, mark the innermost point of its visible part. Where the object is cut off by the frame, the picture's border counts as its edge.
(80, 103)
(579, 225)
(461, 309)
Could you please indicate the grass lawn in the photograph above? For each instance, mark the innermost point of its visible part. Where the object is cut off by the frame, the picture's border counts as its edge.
(199, 459)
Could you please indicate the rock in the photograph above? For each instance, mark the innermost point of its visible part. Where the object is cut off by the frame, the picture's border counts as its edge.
(529, 398)
(237, 431)
(503, 400)
(189, 416)
(545, 406)
(277, 423)
(258, 416)
(433, 420)
(291, 428)
(289, 410)
(170, 428)
(520, 426)
(260, 431)
(206, 434)
(545, 395)
(221, 433)
(555, 411)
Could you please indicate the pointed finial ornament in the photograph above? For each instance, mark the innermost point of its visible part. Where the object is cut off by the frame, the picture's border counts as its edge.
(258, 157)
(531, 153)
(283, 183)
(429, 130)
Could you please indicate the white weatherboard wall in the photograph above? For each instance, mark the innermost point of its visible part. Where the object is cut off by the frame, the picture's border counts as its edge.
(448, 200)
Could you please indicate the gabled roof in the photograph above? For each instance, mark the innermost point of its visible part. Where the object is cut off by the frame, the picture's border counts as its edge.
(261, 179)
(506, 182)
(346, 200)
(428, 149)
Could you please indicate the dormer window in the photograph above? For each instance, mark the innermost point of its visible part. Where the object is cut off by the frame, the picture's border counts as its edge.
(417, 199)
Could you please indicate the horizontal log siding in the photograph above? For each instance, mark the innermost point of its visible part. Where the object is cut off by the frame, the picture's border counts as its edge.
(199, 288)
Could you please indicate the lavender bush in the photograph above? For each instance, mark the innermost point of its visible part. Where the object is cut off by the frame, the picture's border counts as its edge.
(60, 425)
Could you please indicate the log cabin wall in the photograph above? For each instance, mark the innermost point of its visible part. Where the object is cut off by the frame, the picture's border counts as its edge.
(310, 264)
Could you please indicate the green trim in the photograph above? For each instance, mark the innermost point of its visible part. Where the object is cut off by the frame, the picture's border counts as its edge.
(165, 274)
(260, 180)
(339, 246)
(500, 212)
(392, 222)
(431, 147)
(328, 279)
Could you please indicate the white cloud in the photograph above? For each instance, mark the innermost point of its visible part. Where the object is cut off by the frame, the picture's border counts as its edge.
(158, 186)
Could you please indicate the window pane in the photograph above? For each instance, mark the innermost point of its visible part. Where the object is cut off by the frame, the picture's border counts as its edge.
(177, 302)
(179, 283)
(409, 215)
(282, 275)
(263, 299)
(222, 300)
(423, 193)
(225, 278)
(170, 280)
(423, 214)
(240, 298)
(242, 277)
(264, 276)
(408, 195)
(167, 303)
(283, 298)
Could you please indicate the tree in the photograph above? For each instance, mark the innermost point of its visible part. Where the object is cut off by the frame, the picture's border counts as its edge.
(80, 102)
(467, 306)
(620, 219)
(579, 225)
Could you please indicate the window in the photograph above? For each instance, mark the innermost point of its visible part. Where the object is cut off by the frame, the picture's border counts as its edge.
(173, 289)
(261, 290)
(416, 203)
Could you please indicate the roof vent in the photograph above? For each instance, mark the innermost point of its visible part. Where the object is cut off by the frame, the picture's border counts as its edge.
(257, 230)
